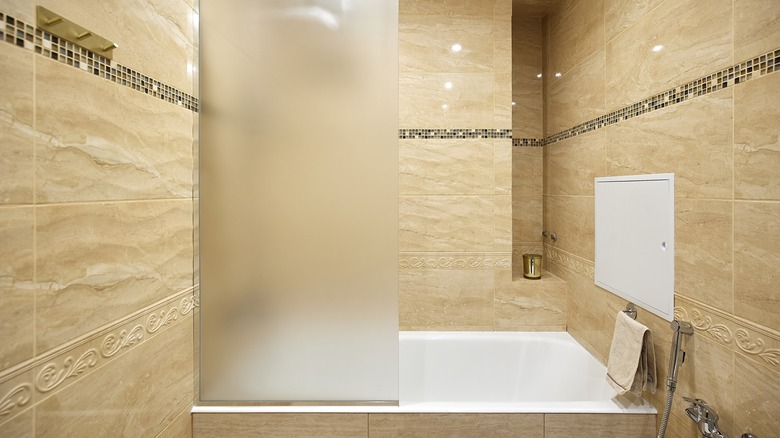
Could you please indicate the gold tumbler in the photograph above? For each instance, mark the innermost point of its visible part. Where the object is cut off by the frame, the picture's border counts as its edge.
(532, 266)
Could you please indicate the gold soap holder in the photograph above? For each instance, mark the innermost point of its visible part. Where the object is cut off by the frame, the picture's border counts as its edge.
(56, 24)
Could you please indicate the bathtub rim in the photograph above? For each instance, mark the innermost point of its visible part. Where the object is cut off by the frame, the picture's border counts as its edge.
(616, 405)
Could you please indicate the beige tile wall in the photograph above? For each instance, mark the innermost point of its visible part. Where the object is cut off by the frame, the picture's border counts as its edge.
(96, 225)
(723, 149)
(462, 202)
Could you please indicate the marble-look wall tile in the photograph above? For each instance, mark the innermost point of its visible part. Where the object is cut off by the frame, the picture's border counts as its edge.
(16, 126)
(181, 426)
(20, 426)
(619, 15)
(445, 299)
(474, 8)
(445, 167)
(155, 37)
(502, 223)
(756, 258)
(149, 385)
(445, 100)
(560, 12)
(502, 98)
(455, 425)
(520, 304)
(574, 163)
(17, 292)
(425, 44)
(21, 9)
(572, 219)
(601, 425)
(756, 27)
(503, 8)
(756, 398)
(526, 218)
(99, 262)
(502, 44)
(578, 36)
(446, 223)
(708, 374)
(90, 147)
(527, 119)
(527, 170)
(502, 71)
(502, 165)
(757, 138)
(703, 251)
(577, 96)
(246, 425)
(692, 139)
(585, 317)
(697, 39)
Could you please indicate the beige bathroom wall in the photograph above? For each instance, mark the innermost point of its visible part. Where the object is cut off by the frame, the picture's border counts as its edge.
(96, 225)
(722, 147)
(456, 194)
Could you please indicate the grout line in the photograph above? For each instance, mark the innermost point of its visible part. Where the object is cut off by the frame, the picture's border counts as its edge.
(35, 228)
(108, 201)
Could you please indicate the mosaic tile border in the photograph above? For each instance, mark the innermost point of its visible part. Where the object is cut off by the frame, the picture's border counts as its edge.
(756, 67)
(443, 134)
(43, 376)
(21, 34)
(740, 73)
(528, 142)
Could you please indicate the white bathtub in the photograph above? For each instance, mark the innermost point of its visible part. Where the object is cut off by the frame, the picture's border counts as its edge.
(489, 372)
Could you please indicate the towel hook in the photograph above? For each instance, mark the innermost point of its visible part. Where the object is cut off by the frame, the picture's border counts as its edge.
(630, 310)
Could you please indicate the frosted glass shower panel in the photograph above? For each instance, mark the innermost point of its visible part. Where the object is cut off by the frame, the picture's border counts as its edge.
(299, 200)
(635, 240)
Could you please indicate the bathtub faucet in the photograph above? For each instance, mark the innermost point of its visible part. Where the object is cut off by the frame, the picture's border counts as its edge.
(706, 419)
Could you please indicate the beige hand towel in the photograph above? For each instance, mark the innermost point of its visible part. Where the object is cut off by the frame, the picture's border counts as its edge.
(631, 364)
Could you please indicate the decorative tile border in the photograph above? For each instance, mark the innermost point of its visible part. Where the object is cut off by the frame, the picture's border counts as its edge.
(737, 74)
(44, 375)
(455, 260)
(443, 134)
(570, 262)
(757, 67)
(756, 342)
(528, 142)
(518, 251)
(24, 35)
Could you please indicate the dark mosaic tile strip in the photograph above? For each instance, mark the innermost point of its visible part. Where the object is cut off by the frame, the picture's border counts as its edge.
(23, 35)
(453, 133)
(527, 142)
(728, 77)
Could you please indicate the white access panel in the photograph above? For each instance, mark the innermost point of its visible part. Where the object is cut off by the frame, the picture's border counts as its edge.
(635, 240)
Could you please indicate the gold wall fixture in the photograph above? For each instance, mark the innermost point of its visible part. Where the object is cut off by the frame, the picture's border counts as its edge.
(70, 31)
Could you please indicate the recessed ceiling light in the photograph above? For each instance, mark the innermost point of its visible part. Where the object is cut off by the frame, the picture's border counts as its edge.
(457, 47)
(539, 75)
(557, 74)
(657, 48)
(448, 85)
